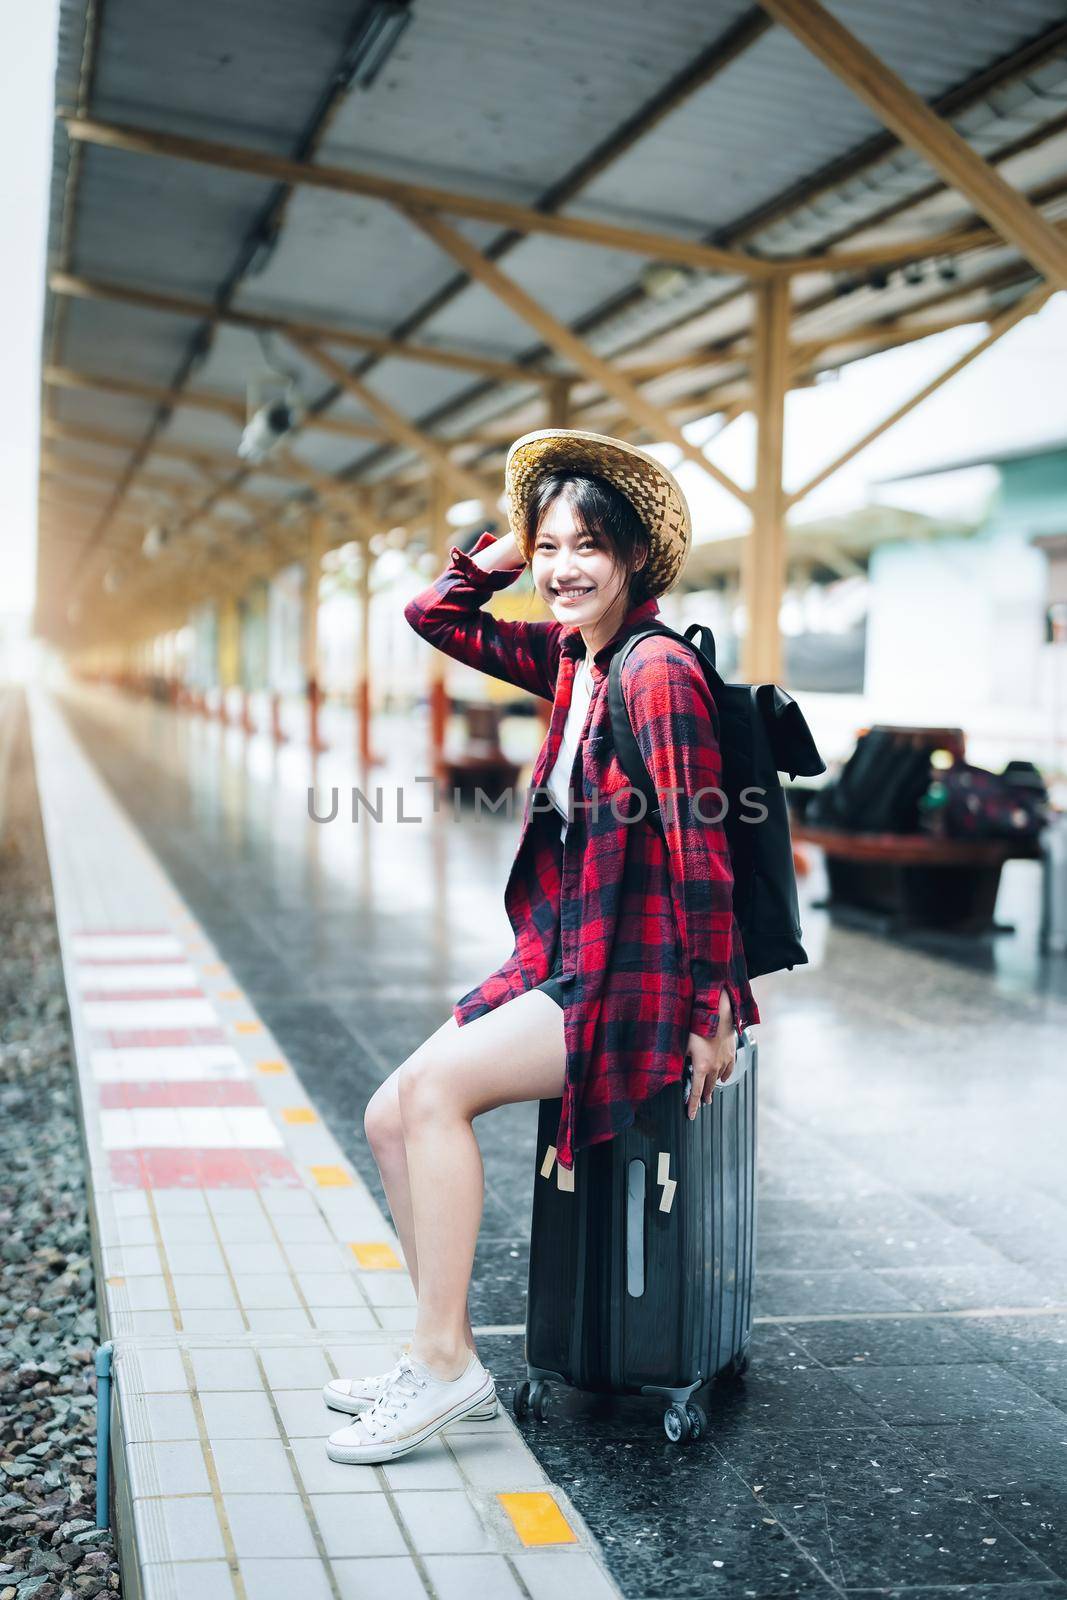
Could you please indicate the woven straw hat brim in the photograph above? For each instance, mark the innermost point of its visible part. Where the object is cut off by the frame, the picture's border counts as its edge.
(654, 492)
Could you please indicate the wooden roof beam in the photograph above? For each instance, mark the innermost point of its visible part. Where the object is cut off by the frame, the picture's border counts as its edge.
(900, 252)
(69, 509)
(217, 469)
(1050, 44)
(908, 116)
(872, 151)
(342, 180)
(200, 399)
(566, 343)
(401, 429)
(1032, 303)
(213, 465)
(208, 461)
(67, 285)
(146, 511)
(61, 464)
(875, 338)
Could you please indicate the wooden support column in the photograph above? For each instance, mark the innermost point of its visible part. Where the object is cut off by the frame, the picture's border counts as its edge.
(277, 732)
(313, 572)
(764, 560)
(558, 397)
(363, 656)
(438, 689)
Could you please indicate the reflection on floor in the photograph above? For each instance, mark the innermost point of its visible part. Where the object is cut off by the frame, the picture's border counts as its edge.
(904, 1424)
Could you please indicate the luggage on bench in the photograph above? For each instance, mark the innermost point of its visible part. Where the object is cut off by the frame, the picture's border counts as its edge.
(641, 1259)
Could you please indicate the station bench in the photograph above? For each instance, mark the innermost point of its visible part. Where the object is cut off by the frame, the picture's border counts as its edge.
(916, 878)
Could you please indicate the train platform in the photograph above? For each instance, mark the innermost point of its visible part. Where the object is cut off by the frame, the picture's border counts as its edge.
(241, 978)
(242, 1262)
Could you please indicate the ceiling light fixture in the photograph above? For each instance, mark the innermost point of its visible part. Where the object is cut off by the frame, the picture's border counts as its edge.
(666, 280)
(376, 36)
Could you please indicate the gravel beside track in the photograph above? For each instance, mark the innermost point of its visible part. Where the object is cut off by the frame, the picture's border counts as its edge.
(50, 1548)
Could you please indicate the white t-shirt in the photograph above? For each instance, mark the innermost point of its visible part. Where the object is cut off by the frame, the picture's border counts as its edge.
(558, 780)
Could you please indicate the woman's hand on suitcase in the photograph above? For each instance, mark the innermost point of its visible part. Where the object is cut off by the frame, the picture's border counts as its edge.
(712, 1059)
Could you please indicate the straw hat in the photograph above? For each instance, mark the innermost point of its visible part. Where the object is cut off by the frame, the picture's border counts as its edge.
(653, 491)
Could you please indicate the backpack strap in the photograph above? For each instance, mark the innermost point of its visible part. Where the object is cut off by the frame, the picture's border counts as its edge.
(700, 634)
(626, 746)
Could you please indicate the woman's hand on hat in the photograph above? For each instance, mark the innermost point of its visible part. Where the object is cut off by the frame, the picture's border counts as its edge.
(500, 556)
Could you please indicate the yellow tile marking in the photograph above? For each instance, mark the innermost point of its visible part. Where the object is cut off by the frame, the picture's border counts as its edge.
(248, 1027)
(230, 994)
(215, 969)
(537, 1519)
(113, 1283)
(271, 1066)
(377, 1257)
(298, 1114)
(331, 1177)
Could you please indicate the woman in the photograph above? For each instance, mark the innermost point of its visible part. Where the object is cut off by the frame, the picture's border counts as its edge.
(627, 960)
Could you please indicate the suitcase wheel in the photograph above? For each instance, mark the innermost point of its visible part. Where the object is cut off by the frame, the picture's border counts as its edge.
(677, 1424)
(698, 1421)
(531, 1397)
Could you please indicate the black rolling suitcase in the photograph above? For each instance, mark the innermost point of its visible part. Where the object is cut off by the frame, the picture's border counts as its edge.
(641, 1258)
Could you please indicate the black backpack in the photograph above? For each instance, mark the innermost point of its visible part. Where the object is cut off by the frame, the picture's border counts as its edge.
(761, 732)
(880, 785)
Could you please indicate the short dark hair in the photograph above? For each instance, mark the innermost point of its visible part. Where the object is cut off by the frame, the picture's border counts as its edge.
(598, 508)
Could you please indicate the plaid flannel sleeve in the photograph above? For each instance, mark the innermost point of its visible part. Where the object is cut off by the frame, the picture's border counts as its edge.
(448, 614)
(676, 725)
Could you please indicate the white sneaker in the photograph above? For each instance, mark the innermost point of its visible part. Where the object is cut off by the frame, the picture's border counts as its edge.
(355, 1395)
(412, 1407)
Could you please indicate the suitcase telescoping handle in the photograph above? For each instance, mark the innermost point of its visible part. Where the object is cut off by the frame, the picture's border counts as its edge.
(746, 1055)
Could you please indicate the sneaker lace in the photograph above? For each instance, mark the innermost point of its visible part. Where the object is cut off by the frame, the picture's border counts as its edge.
(400, 1387)
(382, 1383)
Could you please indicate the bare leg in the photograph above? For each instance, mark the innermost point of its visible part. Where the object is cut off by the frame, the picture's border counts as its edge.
(385, 1135)
(516, 1052)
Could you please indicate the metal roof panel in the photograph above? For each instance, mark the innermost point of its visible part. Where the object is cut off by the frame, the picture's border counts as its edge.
(515, 96)
(124, 341)
(251, 71)
(166, 225)
(352, 261)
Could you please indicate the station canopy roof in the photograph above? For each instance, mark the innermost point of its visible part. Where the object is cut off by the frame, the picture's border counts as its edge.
(448, 224)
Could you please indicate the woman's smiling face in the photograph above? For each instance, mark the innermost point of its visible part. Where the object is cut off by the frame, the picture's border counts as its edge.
(574, 570)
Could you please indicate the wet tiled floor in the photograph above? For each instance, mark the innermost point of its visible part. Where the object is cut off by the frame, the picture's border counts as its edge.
(904, 1423)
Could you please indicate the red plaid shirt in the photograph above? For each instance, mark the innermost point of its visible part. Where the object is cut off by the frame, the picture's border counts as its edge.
(646, 918)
